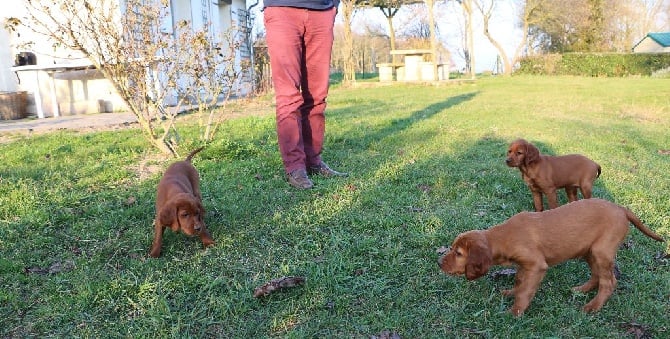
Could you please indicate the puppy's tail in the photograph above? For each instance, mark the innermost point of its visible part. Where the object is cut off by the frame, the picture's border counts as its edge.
(640, 226)
(194, 152)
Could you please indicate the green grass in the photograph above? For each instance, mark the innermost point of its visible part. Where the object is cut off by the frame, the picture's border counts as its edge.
(426, 163)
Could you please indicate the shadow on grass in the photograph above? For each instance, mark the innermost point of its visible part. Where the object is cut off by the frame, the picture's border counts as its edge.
(398, 125)
(416, 116)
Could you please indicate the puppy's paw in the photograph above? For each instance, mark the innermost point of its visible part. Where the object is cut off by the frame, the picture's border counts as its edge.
(592, 307)
(516, 311)
(586, 287)
(207, 241)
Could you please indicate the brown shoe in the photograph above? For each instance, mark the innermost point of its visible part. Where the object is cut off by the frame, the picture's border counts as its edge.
(299, 179)
(324, 170)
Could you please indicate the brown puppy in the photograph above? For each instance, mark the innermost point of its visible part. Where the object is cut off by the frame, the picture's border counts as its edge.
(591, 229)
(179, 204)
(545, 174)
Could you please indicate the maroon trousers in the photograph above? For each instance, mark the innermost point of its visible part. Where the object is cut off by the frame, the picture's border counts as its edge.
(299, 43)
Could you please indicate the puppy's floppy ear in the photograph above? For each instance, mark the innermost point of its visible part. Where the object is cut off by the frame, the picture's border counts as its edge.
(167, 216)
(479, 258)
(532, 154)
(201, 209)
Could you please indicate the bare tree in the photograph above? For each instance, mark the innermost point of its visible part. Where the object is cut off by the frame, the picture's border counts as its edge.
(390, 8)
(433, 35)
(415, 26)
(370, 47)
(527, 13)
(458, 42)
(632, 20)
(421, 30)
(595, 25)
(349, 64)
(487, 8)
(145, 59)
(470, 49)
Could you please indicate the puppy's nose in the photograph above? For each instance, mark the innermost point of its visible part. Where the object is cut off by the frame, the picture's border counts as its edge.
(508, 160)
(197, 227)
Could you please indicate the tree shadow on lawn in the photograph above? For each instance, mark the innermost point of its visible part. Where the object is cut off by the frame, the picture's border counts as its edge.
(396, 126)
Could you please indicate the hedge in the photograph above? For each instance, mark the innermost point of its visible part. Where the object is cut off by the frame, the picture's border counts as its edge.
(595, 64)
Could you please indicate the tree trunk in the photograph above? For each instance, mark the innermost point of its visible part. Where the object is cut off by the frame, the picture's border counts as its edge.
(467, 7)
(433, 38)
(389, 13)
(529, 9)
(349, 64)
(486, 17)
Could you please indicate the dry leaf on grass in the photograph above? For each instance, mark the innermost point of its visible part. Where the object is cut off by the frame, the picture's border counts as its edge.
(277, 284)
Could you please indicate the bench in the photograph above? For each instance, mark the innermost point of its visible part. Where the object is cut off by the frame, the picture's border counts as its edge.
(386, 71)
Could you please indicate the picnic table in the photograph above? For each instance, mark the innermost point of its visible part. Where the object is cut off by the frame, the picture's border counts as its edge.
(412, 68)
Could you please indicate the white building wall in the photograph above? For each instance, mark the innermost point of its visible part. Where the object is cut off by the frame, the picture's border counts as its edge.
(648, 45)
(7, 58)
(76, 96)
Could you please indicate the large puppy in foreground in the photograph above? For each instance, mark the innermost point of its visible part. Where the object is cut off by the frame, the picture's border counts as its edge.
(591, 229)
(179, 204)
(545, 174)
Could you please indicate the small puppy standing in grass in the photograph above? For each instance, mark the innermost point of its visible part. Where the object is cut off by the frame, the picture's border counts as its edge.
(179, 204)
(545, 174)
(591, 229)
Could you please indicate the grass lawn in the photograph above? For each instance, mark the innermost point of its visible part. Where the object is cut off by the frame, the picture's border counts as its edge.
(425, 163)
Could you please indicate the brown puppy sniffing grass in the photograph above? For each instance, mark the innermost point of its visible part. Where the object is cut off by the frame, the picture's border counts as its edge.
(591, 229)
(545, 174)
(179, 204)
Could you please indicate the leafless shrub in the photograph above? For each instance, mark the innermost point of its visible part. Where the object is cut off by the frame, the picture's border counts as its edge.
(149, 61)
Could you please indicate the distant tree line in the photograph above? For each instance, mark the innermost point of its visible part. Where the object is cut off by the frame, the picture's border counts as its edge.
(559, 26)
(547, 26)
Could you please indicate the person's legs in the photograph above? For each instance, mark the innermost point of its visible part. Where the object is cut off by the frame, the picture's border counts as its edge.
(300, 43)
(315, 81)
(284, 29)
